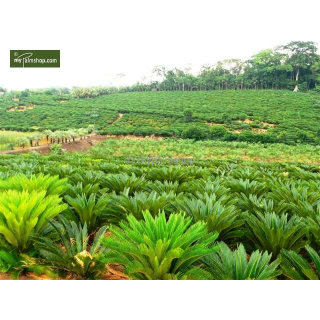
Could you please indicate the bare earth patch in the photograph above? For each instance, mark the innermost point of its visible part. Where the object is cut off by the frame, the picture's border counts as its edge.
(248, 121)
(78, 145)
(21, 108)
(257, 130)
(212, 124)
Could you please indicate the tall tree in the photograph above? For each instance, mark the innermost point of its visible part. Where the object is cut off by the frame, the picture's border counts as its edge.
(302, 55)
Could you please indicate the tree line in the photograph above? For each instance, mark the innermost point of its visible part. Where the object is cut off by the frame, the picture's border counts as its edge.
(294, 66)
(55, 137)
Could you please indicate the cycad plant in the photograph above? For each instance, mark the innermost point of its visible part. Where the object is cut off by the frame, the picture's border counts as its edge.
(22, 213)
(76, 255)
(164, 187)
(119, 182)
(158, 249)
(271, 232)
(86, 177)
(298, 198)
(236, 265)
(86, 190)
(51, 185)
(297, 268)
(219, 215)
(247, 187)
(88, 209)
(122, 205)
(172, 174)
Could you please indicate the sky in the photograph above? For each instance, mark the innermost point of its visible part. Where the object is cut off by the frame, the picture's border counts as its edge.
(100, 39)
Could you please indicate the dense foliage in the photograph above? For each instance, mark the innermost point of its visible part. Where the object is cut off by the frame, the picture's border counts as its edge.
(253, 116)
(86, 214)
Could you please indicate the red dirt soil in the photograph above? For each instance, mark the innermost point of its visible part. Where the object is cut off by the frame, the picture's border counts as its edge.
(74, 146)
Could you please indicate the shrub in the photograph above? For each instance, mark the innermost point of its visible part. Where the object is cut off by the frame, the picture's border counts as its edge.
(195, 133)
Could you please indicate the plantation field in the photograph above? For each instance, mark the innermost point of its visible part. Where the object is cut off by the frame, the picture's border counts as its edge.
(92, 218)
(126, 147)
(230, 115)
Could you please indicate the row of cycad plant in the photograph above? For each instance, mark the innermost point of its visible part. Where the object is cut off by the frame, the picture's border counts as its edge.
(161, 225)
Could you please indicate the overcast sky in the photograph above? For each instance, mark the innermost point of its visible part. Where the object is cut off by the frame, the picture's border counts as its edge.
(100, 39)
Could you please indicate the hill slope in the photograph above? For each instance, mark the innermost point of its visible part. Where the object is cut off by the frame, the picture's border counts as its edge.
(265, 116)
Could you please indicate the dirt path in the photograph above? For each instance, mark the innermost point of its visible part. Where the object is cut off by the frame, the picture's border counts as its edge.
(75, 146)
(80, 145)
(120, 115)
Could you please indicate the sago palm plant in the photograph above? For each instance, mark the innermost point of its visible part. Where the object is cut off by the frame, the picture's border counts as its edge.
(88, 209)
(271, 232)
(219, 215)
(247, 187)
(172, 174)
(22, 213)
(236, 265)
(297, 268)
(51, 185)
(122, 205)
(119, 182)
(76, 255)
(158, 249)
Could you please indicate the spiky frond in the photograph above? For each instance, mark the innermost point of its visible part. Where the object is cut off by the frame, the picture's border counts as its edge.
(88, 209)
(156, 248)
(272, 232)
(22, 213)
(297, 268)
(119, 182)
(236, 265)
(76, 255)
(51, 185)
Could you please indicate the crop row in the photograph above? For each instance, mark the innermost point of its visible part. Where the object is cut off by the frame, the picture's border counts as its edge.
(71, 217)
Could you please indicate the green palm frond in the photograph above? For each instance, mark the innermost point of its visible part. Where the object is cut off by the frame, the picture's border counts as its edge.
(51, 185)
(272, 232)
(22, 213)
(235, 265)
(88, 209)
(297, 268)
(156, 248)
(76, 255)
(119, 182)
(220, 215)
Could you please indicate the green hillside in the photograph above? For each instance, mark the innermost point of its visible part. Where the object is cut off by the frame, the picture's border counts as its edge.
(251, 115)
